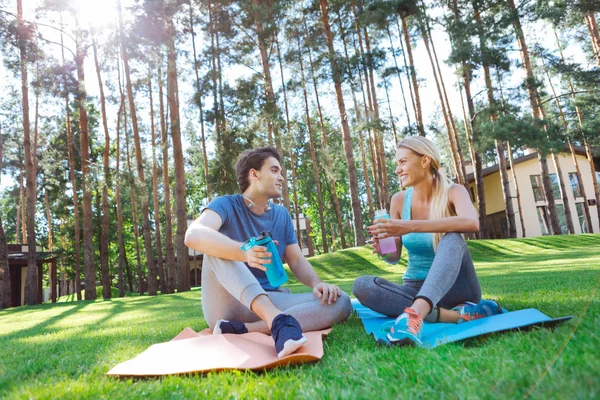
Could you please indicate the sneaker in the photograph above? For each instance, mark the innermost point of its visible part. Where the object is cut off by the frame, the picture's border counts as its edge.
(472, 311)
(287, 335)
(406, 329)
(223, 326)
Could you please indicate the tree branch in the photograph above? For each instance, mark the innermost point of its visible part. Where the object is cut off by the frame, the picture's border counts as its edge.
(58, 44)
(568, 94)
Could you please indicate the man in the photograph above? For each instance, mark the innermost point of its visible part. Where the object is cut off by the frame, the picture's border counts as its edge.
(236, 295)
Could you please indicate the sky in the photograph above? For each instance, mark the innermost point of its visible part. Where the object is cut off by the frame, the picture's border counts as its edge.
(101, 14)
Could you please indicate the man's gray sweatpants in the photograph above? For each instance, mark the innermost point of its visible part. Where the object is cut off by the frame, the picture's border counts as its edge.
(450, 281)
(229, 288)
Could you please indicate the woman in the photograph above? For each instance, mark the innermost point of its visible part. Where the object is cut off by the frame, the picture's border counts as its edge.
(440, 284)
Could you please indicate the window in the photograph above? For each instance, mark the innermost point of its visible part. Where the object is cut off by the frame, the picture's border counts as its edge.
(555, 186)
(597, 176)
(542, 212)
(575, 184)
(581, 216)
(538, 189)
(562, 219)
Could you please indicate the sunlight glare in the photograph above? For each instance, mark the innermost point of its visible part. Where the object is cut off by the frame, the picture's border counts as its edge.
(96, 14)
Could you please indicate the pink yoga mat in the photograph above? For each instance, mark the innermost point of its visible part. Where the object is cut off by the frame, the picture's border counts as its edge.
(191, 352)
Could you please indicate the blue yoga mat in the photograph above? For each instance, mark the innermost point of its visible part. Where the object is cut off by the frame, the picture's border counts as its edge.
(437, 334)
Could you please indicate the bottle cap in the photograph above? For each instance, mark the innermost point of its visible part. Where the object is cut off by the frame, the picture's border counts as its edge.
(264, 235)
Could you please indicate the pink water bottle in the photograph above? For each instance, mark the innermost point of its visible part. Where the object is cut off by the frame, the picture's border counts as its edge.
(386, 245)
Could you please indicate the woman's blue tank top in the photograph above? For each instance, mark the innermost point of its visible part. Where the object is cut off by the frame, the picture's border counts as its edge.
(419, 246)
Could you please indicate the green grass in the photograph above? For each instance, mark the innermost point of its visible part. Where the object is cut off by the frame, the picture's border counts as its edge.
(63, 350)
(99, 294)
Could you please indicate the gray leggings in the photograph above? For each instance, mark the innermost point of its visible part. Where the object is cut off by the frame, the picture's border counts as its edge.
(228, 289)
(450, 281)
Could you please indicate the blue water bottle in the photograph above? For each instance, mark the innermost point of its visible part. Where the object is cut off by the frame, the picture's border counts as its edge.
(275, 272)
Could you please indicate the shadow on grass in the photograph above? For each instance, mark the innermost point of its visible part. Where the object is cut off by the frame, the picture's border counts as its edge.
(341, 264)
(73, 308)
(482, 250)
(528, 262)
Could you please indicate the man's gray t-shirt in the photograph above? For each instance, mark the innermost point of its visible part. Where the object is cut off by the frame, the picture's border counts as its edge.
(239, 223)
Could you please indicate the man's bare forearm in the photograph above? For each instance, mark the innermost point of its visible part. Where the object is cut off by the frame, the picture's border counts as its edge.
(208, 241)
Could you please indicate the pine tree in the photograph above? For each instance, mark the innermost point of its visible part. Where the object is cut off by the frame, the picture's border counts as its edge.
(106, 290)
(31, 281)
(359, 236)
(537, 112)
(152, 271)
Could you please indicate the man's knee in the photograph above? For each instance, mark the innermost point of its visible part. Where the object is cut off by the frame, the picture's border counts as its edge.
(344, 306)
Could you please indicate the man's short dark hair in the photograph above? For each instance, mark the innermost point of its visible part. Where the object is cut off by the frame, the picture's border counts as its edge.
(252, 159)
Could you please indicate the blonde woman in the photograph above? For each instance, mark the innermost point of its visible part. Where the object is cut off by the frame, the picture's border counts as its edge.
(440, 284)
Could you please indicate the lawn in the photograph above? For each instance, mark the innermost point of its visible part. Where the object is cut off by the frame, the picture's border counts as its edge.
(63, 350)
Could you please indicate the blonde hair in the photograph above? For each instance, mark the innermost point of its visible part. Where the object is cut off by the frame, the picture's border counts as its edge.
(440, 205)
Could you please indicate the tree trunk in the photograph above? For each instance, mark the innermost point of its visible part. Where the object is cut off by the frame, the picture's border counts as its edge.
(220, 80)
(378, 163)
(151, 265)
(537, 112)
(86, 183)
(48, 217)
(419, 113)
(406, 71)
(106, 281)
(563, 189)
(459, 150)
(328, 157)
(512, 166)
(517, 192)
(134, 219)
(31, 281)
(510, 212)
(588, 150)
(370, 141)
(180, 189)
(134, 214)
(447, 118)
(122, 255)
(71, 149)
(200, 108)
(475, 156)
(213, 74)
(292, 146)
(271, 105)
(563, 192)
(590, 22)
(393, 51)
(377, 134)
(159, 254)
(389, 104)
(359, 238)
(5, 287)
(312, 154)
(171, 267)
(34, 155)
(21, 228)
(358, 120)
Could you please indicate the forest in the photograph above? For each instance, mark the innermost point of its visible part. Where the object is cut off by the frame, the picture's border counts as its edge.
(120, 120)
